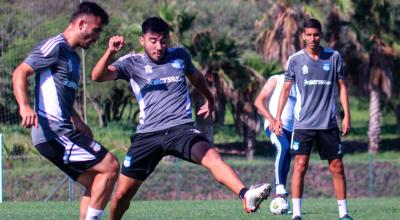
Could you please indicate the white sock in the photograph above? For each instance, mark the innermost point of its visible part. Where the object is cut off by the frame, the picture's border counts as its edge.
(296, 207)
(342, 205)
(93, 214)
(280, 189)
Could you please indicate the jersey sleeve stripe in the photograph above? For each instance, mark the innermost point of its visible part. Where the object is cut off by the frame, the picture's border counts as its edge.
(49, 45)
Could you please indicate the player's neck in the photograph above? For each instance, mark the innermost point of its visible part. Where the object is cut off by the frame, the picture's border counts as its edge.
(314, 52)
(70, 37)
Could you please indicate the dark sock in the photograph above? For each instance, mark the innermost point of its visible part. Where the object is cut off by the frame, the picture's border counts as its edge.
(242, 192)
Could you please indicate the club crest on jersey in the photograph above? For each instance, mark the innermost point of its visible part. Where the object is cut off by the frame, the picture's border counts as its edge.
(127, 161)
(326, 66)
(148, 69)
(70, 67)
(340, 151)
(178, 64)
(304, 69)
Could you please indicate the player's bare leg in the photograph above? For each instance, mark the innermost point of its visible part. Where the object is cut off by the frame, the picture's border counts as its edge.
(203, 154)
(338, 177)
(126, 189)
(208, 157)
(99, 181)
(299, 172)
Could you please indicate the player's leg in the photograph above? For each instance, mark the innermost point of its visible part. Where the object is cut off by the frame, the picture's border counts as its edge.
(282, 159)
(99, 181)
(301, 148)
(126, 190)
(140, 161)
(187, 143)
(330, 149)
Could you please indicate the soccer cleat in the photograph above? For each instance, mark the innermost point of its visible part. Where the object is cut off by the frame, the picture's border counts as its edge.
(296, 218)
(346, 217)
(254, 196)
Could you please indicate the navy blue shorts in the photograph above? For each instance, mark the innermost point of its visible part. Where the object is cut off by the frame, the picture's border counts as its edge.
(147, 149)
(73, 152)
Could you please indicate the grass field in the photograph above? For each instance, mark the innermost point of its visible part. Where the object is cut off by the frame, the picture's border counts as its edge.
(313, 209)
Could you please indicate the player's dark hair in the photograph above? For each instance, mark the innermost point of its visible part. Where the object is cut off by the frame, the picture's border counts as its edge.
(92, 9)
(155, 25)
(312, 23)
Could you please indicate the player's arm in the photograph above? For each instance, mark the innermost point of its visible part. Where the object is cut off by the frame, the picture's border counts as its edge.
(80, 125)
(102, 71)
(263, 99)
(281, 104)
(199, 82)
(344, 100)
(19, 80)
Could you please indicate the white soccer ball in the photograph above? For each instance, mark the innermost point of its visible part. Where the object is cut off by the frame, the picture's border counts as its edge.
(279, 206)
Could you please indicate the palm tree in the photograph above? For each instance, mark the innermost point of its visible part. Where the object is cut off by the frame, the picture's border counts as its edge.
(373, 22)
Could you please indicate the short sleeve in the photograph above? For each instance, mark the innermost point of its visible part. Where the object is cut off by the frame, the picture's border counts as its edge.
(190, 69)
(43, 56)
(122, 67)
(339, 68)
(289, 70)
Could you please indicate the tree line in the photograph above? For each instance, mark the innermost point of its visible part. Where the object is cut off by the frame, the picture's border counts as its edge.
(236, 44)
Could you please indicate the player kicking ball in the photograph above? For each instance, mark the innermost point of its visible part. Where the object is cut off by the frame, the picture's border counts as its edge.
(157, 79)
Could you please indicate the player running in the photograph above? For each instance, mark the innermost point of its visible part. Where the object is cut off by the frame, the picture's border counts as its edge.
(267, 105)
(57, 131)
(318, 75)
(157, 79)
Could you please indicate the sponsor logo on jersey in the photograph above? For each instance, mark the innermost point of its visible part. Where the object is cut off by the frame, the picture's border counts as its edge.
(160, 81)
(148, 69)
(127, 161)
(70, 67)
(304, 69)
(178, 64)
(295, 145)
(326, 66)
(316, 82)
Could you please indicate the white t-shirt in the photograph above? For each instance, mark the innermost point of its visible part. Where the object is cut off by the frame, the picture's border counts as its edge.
(287, 115)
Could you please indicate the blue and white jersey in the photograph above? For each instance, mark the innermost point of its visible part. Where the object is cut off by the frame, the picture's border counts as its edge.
(316, 88)
(287, 115)
(160, 88)
(57, 68)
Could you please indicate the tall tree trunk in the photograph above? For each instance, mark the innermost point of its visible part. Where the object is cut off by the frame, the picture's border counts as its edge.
(375, 116)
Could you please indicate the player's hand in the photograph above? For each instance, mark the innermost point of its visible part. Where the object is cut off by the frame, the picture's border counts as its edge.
(28, 117)
(81, 126)
(271, 125)
(116, 43)
(206, 109)
(278, 127)
(346, 126)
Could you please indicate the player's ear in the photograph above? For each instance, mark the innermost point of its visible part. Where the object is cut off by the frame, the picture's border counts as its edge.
(141, 40)
(81, 23)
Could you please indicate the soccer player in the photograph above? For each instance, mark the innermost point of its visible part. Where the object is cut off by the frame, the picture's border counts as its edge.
(267, 105)
(318, 75)
(58, 133)
(157, 79)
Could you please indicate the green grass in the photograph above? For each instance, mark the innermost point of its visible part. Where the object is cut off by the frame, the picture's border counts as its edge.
(318, 209)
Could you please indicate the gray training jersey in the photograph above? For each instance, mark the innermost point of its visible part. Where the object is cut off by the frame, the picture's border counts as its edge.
(316, 88)
(160, 88)
(57, 69)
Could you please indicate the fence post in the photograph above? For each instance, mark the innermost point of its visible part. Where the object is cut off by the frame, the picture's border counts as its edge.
(370, 175)
(1, 168)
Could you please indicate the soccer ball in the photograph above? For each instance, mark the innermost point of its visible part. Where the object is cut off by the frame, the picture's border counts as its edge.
(279, 206)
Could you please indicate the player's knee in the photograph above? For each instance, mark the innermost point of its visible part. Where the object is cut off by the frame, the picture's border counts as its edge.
(336, 167)
(212, 159)
(113, 170)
